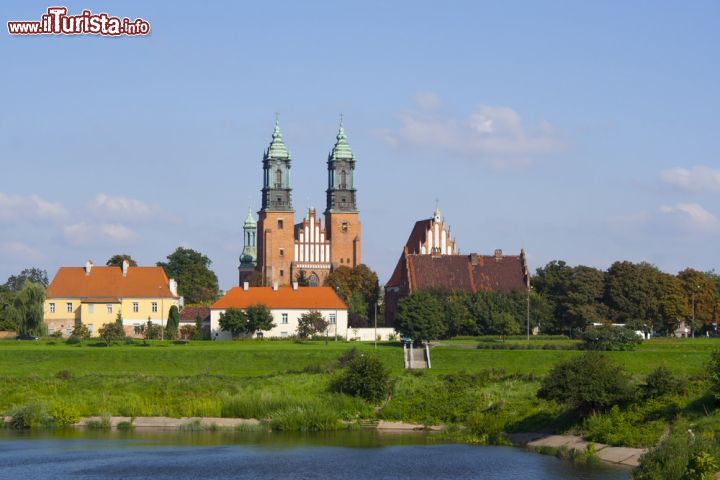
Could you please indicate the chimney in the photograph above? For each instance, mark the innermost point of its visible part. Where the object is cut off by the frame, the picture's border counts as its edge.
(246, 286)
(172, 285)
(498, 255)
(275, 286)
(88, 267)
(125, 266)
(473, 259)
(295, 285)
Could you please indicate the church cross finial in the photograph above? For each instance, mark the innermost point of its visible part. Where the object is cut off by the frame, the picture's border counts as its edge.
(341, 120)
(277, 118)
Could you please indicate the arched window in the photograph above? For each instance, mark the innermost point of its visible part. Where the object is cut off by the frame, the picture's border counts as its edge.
(313, 280)
(278, 178)
(343, 179)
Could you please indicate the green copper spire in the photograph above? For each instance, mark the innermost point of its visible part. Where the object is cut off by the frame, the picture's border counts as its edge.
(277, 148)
(341, 150)
(250, 219)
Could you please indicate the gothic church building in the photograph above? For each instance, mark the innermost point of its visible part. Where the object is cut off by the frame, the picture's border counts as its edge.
(282, 251)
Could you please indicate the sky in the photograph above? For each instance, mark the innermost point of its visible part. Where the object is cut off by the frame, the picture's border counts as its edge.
(581, 131)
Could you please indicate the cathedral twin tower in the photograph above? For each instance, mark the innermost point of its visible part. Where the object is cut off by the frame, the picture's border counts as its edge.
(278, 251)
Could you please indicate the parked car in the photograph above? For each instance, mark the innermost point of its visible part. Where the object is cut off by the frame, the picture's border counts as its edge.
(27, 337)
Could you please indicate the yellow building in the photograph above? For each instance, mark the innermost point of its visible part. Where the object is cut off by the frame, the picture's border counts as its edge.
(95, 295)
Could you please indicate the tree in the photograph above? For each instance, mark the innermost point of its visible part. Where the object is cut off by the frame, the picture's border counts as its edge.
(151, 331)
(15, 282)
(310, 323)
(188, 332)
(81, 331)
(608, 337)
(588, 383)
(117, 260)
(27, 309)
(575, 295)
(259, 318)
(111, 332)
(302, 279)
(457, 316)
(235, 321)
(191, 269)
(173, 321)
(357, 286)
(364, 376)
(699, 295)
(633, 291)
(419, 316)
(505, 324)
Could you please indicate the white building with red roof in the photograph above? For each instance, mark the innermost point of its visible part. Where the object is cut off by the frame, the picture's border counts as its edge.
(287, 304)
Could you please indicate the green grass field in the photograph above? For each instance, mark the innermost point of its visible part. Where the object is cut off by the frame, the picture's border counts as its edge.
(489, 390)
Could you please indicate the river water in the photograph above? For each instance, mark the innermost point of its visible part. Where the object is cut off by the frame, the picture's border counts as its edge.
(225, 455)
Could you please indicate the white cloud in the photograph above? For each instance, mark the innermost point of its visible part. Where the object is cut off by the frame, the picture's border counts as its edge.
(20, 251)
(85, 233)
(496, 134)
(696, 179)
(32, 206)
(692, 215)
(124, 207)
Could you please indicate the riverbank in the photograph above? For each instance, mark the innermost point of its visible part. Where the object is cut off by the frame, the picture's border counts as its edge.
(551, 444)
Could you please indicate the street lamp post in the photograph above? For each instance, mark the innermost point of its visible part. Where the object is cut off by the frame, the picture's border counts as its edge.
(527, 313)
(375, 324)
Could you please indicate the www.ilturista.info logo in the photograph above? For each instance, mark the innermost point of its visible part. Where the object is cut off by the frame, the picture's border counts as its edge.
(57, 22)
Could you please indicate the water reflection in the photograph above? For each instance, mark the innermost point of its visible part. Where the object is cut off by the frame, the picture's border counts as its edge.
(263, 455)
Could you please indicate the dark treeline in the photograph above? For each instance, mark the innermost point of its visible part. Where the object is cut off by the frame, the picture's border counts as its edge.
(566, 300)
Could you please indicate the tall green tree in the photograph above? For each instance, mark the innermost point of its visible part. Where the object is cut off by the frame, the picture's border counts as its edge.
(173, 322)
(235, 321)
(358, 287)
(700, 295)
(196, 282)
(633, 291)
(28, 311)
(505, 324)
(15, 283)
(311, 323)
(259, 318)
(117, 260)
(574, 293)
(420, 317)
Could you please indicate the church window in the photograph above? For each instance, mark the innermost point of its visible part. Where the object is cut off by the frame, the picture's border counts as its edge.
(342, 260)
(280, 224)
(343, 180)
(282, 252)
(313, 281)
(282, 273)
(347, 260)
(344, 226)
(278, 178)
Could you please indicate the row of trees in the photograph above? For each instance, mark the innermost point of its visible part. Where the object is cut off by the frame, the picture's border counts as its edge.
(567, 300)
(21, 302)
(637, 294)
(258, 318)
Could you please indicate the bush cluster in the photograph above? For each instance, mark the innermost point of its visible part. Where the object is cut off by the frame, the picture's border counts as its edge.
(364, 376)
(608, 338)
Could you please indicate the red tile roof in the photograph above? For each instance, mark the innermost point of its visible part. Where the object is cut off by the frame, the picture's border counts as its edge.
(190, 314)
(304, 298)
(72, 282)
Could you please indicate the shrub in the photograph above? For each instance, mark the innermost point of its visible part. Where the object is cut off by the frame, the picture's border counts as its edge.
(32, 415)
(588, 383)
(660, 382)
(364, 376)
(714, 370)
(609, 338)
(304, 418)
(102, 423)
(126, 426)
(80, 331)
(111, 332)
(65, 414)
(702, 466)
(73, 340)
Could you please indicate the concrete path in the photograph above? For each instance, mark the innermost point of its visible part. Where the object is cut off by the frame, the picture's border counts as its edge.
(167, 422)
(618, 455)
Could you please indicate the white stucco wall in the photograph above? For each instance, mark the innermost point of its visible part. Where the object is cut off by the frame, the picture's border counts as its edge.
(368, 334)
(283, 329)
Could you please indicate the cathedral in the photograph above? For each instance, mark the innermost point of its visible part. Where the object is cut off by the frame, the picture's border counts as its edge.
(279, 251)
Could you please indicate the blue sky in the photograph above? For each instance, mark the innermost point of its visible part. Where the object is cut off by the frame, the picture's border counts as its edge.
(579, 131)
